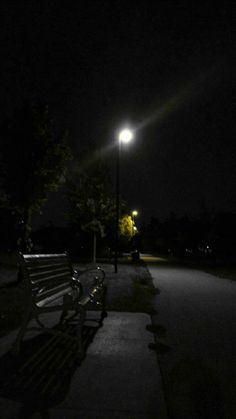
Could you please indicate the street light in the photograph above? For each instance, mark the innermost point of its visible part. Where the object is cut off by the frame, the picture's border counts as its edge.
(125, 136)
(134, 229)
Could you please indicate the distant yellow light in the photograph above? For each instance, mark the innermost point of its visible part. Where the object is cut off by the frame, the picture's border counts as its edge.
(125, 136)
(134, 213)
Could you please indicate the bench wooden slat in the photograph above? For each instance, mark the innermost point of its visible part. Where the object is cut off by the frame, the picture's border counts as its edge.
(45, 256)
(44, 292)
(52, 295)
(46, 262)
(37, 268)
(49, 283)
(51, 275)
(32, 262)
(31, 268)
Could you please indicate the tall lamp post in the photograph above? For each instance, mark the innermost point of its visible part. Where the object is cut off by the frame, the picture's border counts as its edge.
(125, 136)
(134, 214)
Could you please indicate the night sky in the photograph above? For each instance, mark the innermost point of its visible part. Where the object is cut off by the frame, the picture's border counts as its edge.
(164, 68)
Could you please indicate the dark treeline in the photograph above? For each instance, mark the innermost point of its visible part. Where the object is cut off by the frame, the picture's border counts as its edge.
(209, 235)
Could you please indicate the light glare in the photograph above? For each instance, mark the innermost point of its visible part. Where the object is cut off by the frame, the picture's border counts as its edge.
(125, 136)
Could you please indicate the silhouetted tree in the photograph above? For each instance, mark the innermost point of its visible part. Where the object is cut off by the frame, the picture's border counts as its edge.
(33, 162)
(90, 203)
(126, 232)
(126, 226)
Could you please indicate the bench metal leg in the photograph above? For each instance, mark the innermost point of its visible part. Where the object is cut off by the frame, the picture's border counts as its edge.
(16, 346)
(103, 312)
(79, 330)
(63, 316)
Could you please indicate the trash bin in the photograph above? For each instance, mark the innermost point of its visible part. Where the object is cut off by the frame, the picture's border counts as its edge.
(135, 255)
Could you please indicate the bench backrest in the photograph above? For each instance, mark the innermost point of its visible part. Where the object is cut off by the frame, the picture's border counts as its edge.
(47, 276)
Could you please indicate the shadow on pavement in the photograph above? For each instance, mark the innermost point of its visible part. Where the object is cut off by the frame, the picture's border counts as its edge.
(39, 376)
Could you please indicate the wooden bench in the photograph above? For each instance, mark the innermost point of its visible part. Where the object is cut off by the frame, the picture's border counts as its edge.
(53, 285)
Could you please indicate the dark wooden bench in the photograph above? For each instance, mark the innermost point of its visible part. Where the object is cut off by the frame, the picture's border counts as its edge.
(53, 285)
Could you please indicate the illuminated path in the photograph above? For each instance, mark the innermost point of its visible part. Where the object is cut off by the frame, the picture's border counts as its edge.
(198, 363)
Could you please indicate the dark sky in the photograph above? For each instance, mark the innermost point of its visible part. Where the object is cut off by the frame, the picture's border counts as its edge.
(163, 67)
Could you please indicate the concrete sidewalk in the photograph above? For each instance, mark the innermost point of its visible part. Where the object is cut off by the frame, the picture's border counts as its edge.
(119, 376)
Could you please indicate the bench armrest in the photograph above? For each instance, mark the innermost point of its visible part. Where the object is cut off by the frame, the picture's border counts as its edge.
(100, 277)
(76, 273)
(77, 284)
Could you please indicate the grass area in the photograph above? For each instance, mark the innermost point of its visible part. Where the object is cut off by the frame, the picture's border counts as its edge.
(222, 272)
(215, 268)
(139, 301)
(141, 292)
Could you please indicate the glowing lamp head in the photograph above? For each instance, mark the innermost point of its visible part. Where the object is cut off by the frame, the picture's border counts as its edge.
(134, 213)
(125, 136)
